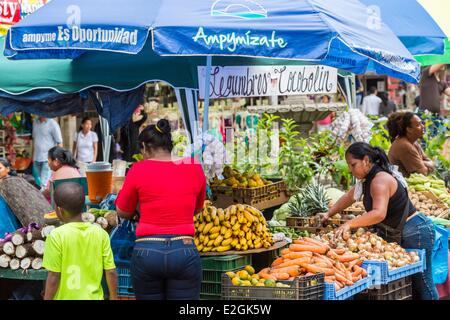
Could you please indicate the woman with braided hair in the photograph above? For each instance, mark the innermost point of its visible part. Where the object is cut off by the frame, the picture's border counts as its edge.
(405, 129)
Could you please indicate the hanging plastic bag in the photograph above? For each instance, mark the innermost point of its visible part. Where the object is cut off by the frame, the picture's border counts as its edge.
(122, 241)
(440, 255)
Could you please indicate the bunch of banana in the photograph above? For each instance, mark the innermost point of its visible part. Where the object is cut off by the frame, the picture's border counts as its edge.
(238, 227)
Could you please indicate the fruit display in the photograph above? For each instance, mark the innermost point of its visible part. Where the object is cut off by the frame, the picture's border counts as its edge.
(426, 205)
(106, 219)
(306, 256)
(24, 248)
(238, 227)
(419, 182)
(370, 247)
(247, 277)
(235, 179)
(309, 201)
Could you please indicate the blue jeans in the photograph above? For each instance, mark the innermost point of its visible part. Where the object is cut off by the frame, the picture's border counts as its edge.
(43, 172)
(169, 270)
(419, 233)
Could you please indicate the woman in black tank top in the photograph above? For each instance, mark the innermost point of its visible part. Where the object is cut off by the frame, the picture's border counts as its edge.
(388, 207)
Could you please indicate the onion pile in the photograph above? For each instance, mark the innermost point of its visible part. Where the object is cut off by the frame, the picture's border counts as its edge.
(372, 247)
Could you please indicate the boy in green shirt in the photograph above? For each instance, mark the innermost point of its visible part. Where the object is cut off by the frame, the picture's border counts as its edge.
(77, 252)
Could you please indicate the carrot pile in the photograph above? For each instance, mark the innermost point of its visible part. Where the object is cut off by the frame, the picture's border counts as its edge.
(306, 256)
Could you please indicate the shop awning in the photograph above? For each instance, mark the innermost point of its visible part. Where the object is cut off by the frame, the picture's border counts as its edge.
(332, 33)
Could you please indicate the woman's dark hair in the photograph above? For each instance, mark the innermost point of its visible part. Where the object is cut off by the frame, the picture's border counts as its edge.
(398, 123)
(63, 156)
(157, 136)
(7, 164)
(383, 98)
(376, 155)
(83, 121)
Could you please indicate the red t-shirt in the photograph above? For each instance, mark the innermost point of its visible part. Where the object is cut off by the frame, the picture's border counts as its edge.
(167, 192)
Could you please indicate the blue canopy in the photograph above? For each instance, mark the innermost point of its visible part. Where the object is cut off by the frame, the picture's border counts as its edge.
(333, 33)
(418, 31)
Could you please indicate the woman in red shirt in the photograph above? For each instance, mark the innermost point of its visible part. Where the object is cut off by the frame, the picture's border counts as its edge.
(168, 192)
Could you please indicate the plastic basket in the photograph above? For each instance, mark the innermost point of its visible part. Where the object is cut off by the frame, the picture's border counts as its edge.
(124, 284)
(226, 263)
(302, 288)
(347, 292)
(214, 267)
(400, 289)
(379, 272)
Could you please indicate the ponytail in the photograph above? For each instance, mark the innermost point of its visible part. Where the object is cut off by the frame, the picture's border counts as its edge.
(376, 155)
(381, 159)
(63, 156)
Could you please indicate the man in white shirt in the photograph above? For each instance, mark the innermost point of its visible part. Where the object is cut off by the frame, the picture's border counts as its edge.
(371, 104)
(46, 135)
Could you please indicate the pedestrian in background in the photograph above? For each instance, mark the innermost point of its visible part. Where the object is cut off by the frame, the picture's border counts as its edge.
(371, 103)
(46, 135)
(85, 143)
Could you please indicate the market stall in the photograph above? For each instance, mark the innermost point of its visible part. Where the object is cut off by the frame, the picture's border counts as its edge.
(325, 268)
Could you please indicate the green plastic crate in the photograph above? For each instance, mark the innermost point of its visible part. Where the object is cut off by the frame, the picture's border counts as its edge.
(226, 263)
(214, 267)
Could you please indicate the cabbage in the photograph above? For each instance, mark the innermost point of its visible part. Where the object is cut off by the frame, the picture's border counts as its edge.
(334, 194)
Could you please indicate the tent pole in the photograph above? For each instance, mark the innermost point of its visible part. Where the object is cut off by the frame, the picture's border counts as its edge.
(348, 91)
(353, 86)
(206, 102)
(104, 126)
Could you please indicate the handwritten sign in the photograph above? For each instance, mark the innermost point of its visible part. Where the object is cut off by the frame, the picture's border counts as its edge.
(254, 81)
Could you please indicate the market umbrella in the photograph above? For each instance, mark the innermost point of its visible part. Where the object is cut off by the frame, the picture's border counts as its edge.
(439, 10)
(422, 25)
(332, 33)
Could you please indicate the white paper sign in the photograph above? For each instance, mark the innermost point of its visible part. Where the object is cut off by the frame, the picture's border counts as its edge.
(255, 81)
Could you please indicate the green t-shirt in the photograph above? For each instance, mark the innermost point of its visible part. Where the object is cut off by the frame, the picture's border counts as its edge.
(80, 251)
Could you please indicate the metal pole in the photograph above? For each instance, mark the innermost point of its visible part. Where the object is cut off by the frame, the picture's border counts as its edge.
(206, 103)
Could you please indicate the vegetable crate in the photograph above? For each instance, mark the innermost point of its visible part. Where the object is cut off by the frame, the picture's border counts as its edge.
(400, 289)
(214, 267)
(261, 197)
(124, 285)
(380, 273)
(311, 224)
(347, 292)
(302, 288)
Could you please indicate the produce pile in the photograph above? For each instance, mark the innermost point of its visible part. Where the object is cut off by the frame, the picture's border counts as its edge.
(308, 256)
(236, 179)
(247, 277)
(106, 219)
(312, 199)
(426, 205)
(357, 207)
(24, 248)
(371, 247)
(309, 201)
(289, 232)
(419, 182)
(238, 227)
(352, 122)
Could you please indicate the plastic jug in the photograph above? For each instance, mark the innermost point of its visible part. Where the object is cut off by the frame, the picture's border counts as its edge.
(99, 177)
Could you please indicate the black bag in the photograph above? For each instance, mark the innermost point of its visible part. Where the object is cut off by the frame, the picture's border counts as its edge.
(391, 234)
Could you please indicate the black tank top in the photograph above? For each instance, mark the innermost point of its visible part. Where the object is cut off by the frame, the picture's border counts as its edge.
(397, 203)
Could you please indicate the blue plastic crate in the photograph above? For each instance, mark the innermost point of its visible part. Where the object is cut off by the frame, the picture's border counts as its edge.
(124, 285)
(379, 273)
(347, 292)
